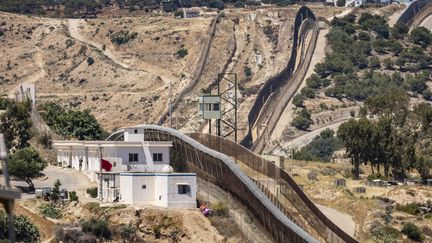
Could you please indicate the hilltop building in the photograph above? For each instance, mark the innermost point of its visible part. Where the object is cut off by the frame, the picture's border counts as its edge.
(135, 171)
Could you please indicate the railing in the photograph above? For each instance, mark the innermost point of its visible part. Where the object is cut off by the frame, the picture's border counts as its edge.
(289, 190)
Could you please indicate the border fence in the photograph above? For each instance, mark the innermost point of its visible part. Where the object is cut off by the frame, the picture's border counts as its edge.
(277, 82)
(225, 163)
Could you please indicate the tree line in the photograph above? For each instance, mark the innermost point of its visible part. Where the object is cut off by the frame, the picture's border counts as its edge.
(390, 136)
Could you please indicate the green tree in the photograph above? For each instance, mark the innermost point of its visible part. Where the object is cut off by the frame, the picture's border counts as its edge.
(15, 124)
(25, 230)
(357, 137)
(421, 36)
(303, 120)
(55, 194)
(26, 164)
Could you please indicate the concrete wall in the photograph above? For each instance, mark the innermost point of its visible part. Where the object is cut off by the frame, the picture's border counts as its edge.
(161, 189)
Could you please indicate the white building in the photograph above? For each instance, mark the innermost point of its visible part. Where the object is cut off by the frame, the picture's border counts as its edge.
(140, 172)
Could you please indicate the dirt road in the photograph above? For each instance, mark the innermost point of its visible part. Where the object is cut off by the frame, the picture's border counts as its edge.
(74, 25)
(344, 221)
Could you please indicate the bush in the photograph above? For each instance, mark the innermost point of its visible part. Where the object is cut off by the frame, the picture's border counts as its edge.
(73, 196)
(50, 210)
(90, 61)
(45, 140)
(321, 148)
(410, 208)
(239, 4)
(386, 233)
(127, 231)
(298, 101)
(25, 230)
(340, 3)
(216, 4)
(96, 227)
(421, 36)
(248, 71)
(412, 231)
(220, 209)
(303, 120)
(182, 52)
(122, 37)
(92, 191)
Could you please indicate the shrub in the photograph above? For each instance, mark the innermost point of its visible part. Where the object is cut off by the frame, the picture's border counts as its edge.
(220, 209)
(308, 92)
(340, 3)
(386, 233)
(90, 61)
(182, 52)
(239, 4)
(219, 4)
(122, 37)
(25, 230)
(303, 120)
(96, 227)
(410, 208)
(412, 231)
(248, 71)
(298, 101)
(50, 210)
(45, 140)
(127, 231)
(73, 196)
(92, 191)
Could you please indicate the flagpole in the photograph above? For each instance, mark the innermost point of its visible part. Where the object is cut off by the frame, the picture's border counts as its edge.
(100, 173)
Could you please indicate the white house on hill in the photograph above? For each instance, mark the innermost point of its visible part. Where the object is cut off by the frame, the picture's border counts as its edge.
(136, 171)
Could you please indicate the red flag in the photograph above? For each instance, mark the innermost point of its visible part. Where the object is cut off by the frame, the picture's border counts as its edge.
(106, 165)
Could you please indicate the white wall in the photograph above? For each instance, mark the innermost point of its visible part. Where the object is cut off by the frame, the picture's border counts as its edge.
(161, 189)
(176, 200)
(131, 190)
(131, 136)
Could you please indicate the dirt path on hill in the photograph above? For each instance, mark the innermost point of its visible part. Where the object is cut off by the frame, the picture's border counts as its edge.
(305, 139)
(32, 78)
(73, 25)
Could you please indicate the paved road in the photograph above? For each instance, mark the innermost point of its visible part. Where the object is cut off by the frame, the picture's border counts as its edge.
(427, 22)
(71, 180)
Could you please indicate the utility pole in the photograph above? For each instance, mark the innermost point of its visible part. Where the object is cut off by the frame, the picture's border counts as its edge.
(9, 194)
(170, 103)
(100, 173)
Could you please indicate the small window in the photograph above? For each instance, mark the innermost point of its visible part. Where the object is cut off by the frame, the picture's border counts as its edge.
(136, 131)
(157, 157)
(133, 157)
(216, 106)
(183, 189)
(114, 164)
(143, 186)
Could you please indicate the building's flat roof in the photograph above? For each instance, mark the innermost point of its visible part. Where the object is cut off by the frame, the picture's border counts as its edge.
(103, 144)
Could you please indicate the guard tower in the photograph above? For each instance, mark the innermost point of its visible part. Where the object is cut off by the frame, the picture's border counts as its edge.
(222, 106)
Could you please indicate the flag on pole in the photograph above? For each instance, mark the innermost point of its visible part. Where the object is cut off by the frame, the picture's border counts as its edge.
(106, 165)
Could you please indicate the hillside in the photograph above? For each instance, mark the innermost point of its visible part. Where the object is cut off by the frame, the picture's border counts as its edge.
(119, 66)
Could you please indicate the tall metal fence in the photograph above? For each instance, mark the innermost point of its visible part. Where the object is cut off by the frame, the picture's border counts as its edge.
(199, 67)
(280, 205)
(412, 11)
(281, 79)
(286, 93)
(224, 172)
(289, 193)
